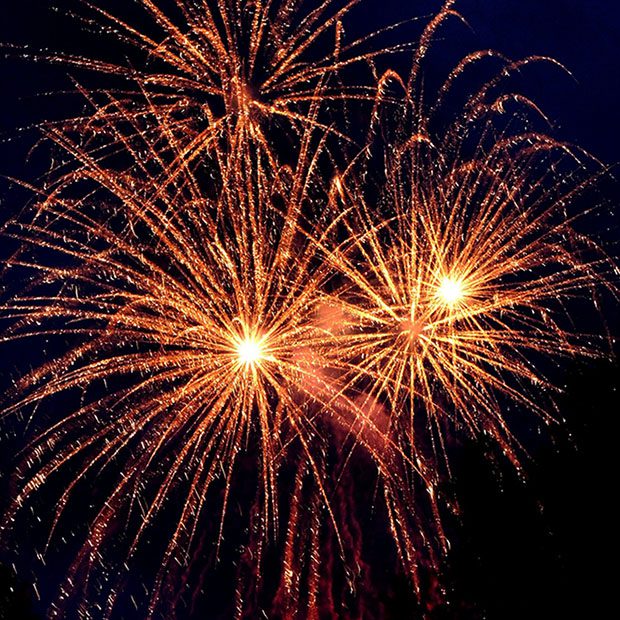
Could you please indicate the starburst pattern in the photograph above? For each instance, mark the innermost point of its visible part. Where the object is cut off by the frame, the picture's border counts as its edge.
(455, 286)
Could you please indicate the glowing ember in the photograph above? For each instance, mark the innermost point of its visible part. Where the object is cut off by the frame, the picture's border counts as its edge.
(249, 351)
(451, 291)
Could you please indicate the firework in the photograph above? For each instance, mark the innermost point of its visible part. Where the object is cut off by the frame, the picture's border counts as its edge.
(454, 286)
(194, 331)
(458, 266)
(455, 273)
(226, 76)
(234, 313)
(196, 342)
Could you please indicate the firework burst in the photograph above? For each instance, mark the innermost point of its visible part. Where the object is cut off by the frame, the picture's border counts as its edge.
(455, 273)
(453, 286)
(195, 332)
(223, 77)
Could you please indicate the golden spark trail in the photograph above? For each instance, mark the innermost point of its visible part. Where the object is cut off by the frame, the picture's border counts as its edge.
(225, 76)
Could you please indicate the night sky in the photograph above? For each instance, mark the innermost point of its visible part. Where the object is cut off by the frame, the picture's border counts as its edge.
(521, 549)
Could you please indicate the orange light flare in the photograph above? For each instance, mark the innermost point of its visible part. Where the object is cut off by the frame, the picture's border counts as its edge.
(455, 299)
(452, 291)
(251, 350)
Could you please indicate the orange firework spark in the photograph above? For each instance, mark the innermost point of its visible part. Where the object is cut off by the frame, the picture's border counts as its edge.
(227, 75)
(204, 324)
(453, 285)
(220, 302)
